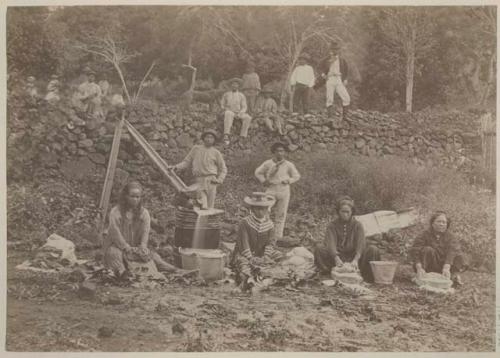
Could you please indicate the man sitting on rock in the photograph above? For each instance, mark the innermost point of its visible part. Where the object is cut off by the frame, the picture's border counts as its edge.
(208, 166)
(53, 90)
(267, 109)
(234, 105)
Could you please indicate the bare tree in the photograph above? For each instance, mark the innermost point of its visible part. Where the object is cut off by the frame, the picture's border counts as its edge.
(115, 53)
(486, 16)
(408, 31)
(302, 27)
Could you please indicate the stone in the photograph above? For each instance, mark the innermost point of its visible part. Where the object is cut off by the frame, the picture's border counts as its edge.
(87, 290)
(105, 332)
(289, 127)
(85, 143)
(387, 150)
(185, 141)
(114, 299)
(77, 276)
(293, 135)
(360, 143)
(292, 147)
(318, 147)
(97, 158)
(172, 143)
(82, 136)
(160, 127)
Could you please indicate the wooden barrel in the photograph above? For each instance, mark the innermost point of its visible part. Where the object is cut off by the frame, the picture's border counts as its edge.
(194, 231)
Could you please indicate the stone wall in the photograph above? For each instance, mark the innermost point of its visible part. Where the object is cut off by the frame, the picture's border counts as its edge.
(57, 134)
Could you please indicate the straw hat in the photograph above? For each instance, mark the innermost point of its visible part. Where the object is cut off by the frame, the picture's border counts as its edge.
(260, 199)
(267, 90)
(209, 131)
(237, 80)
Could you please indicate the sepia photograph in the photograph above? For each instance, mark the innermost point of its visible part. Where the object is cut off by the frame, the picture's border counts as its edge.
(250, 178)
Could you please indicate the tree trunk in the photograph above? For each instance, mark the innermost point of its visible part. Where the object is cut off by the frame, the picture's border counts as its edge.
(491, 79)
(286, 85)
(410, 71)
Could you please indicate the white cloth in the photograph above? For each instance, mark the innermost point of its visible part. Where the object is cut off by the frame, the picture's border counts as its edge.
(303, 74)
(334, 85)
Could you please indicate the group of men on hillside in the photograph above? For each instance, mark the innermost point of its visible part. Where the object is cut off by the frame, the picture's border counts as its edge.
(243, 100)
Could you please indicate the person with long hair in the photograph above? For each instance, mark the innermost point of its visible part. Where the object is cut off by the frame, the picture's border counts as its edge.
(345, 243)
(437, 250)
(129, 227)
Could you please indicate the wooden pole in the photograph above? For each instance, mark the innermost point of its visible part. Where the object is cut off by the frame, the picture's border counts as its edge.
(110, 174)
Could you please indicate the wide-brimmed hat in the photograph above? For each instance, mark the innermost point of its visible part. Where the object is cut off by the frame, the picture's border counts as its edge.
(279, 145)
(31, 79)
(54, 76)
(237, 80)
(260, 199)
(334, 46)
(267, 90)
(209, 131)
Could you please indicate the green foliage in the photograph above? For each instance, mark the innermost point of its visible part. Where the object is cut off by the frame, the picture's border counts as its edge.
(29, 49)
(380, 184)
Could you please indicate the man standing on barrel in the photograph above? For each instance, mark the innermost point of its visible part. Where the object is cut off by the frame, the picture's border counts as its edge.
(334, 71)
(208, 166)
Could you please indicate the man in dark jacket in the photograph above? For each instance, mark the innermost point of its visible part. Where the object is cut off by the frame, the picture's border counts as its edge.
(334, 71)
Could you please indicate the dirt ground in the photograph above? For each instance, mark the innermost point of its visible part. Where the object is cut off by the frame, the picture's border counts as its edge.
(45, 313)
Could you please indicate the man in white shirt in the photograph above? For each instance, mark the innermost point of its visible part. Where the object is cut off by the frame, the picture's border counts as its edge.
(234, 105)
(302, 80)
(277, 174)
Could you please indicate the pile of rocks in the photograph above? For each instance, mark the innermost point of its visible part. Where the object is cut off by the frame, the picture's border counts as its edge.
(449, 139)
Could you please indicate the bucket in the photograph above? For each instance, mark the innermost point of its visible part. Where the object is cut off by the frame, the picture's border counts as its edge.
(210, 263)
(383, 271)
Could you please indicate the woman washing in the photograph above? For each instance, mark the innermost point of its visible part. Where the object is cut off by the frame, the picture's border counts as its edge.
(437, 250)
(128, 232)
(345, 243)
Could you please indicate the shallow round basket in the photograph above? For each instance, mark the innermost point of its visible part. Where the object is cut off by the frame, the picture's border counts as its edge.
(383, 271)
(347, 277)
(436, 280)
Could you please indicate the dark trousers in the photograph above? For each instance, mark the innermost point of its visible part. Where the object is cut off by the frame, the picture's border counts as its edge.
(325, 261)
(432, 261)
(301, 98)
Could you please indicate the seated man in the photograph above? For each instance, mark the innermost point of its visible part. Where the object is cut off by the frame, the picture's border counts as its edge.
(345, 242)
(234, 105)
(268, 110)
(255, 241)
(437, 250)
